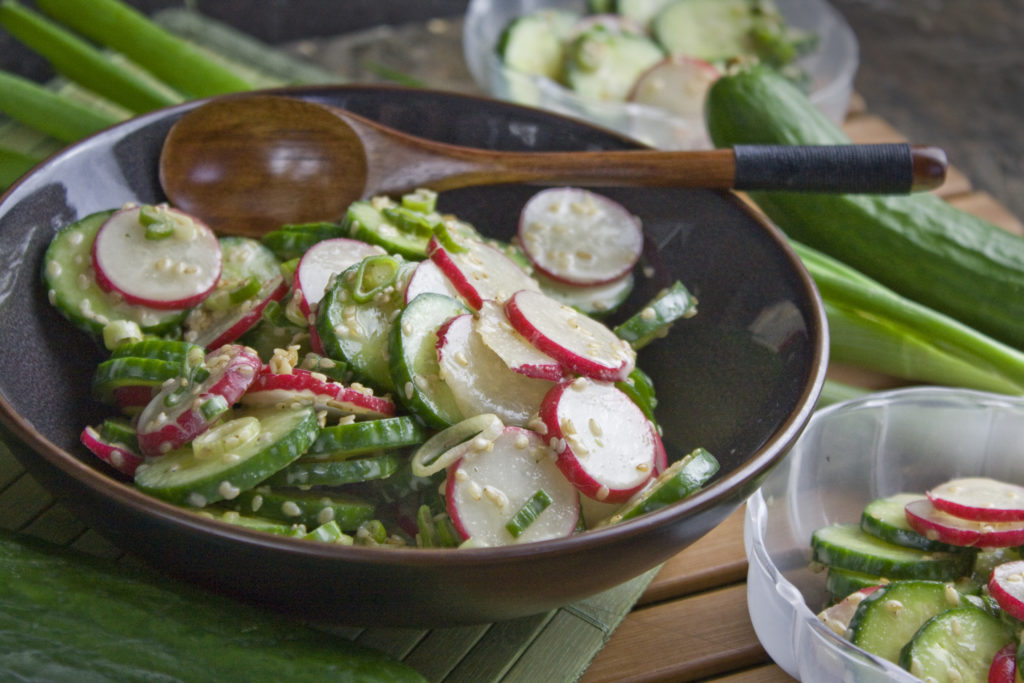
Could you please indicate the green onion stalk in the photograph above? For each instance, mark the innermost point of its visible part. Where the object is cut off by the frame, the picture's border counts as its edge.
(873, 327)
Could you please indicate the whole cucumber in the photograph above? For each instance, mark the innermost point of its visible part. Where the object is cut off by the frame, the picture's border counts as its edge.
(66, 616)
(918, 245)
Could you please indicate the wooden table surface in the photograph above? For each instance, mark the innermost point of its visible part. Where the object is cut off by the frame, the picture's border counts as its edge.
(692, 623)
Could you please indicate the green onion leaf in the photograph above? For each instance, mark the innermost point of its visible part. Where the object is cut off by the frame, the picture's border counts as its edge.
(529, 513)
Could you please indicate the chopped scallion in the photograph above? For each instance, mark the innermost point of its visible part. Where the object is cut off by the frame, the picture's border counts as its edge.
(529, 513)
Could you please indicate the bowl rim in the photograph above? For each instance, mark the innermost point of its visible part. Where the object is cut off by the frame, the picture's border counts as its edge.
(755, 525)
(754, 467)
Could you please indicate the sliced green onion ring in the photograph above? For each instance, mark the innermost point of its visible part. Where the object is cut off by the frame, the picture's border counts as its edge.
(439, 451)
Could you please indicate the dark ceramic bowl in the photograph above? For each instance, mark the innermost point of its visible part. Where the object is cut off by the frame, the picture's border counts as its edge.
(741, 379)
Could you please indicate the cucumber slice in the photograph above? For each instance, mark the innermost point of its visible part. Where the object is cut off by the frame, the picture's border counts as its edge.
(848, 547)
(886, 518)
(182, 478)
(593, 300)
(603, 65)
(842, 582)
(329, 533)
(656, 318)
(366, 221)
(414, 364)
(311, 508)
(712, 30)
(358, 438)
(334, 472)
(268, 526)
(640, 11)
(889, 617)
(118, 373)
(159, 349)
(640, 388)
(72, 288)
(682, 478)
(956, 645)
(533, 43)
(292, 241)
(353, 325)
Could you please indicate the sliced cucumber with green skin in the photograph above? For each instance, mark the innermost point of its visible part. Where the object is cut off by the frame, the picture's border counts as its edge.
(181, 477)
(886, 518)
(640, 388)
(354, 326)
(842, 582)
(337, 472)
(656, 318)
(254, 522)
(594, 300)
(712, 30)
(174, 350)
(889, 617)
(641, 11)
(603, 65)
(292, 241)
(127, 371)
(72, 288)
(358, 438)
(365, 221)
(329, 533)
(956, 645)
(311, 508)
(533, 43)
(682, 479)
(847, 546)
(415, 371)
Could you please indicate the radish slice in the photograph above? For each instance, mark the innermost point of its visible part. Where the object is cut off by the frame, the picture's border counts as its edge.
(678, 84)
(580, 343)
(176, 270)
(518, 354)
(510, 491)
(1004, 665)
(310, 388)
(926, 519)
(579, 237)
(1007, 587)
(186, 407)
(428, 277)
(606, 446)
(116, 455)
(838, 616)
(213, 329)
(980, 498)
(480, 272)
(480, 381)
(321, 261)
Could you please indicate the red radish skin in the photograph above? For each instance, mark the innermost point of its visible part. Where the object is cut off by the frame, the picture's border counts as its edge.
(481, 272)
(121, 459)
(581, 344)
(980, 498)
(162, 428)
(321, 261)
(929, 521)
(1004, 665)
(579, 237)
(519, 355)
(304, 386)
(1006, 586)
(173, 273)
(480, 381)
(239, 320)
(491, 481)
(606, 446)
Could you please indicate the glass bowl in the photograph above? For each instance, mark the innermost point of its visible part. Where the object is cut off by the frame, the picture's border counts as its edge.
(851, 453)
(831, 69)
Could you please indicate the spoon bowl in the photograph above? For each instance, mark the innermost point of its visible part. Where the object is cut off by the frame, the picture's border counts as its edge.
(247, 164)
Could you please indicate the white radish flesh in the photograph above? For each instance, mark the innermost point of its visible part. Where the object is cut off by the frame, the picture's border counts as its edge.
(606, 446)
(428, 277)
(519, 355)
(213, 329)
(180, 411)
(300, 386)
(580, 343)
(929, 521)
(579, 237)
(980, 498)
(480, 272)
(480, 381)
(678, 84)
(1007, 587)
(174, 272)
(321, 261)
(490, 483)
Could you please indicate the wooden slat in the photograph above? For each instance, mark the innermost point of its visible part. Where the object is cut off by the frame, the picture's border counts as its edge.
(711, 635)
(769, 673)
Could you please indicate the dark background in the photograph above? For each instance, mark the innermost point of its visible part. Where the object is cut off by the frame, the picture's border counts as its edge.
(943, 72)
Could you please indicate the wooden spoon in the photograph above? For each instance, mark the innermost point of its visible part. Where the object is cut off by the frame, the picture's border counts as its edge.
(248, 164)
